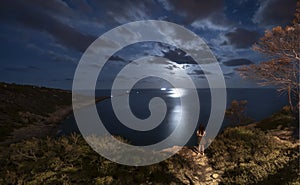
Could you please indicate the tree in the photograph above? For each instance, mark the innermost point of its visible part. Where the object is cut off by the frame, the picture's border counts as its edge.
(282, 48)
(297, 14)
(236, 113)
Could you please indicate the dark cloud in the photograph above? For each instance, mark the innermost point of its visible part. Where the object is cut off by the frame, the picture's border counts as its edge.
(199, 72)
(70, 21)
(171, 67)
(242, 38)
(230, 74)
(178, 56)
(217, 22)
(117, 58)
(125, 11)
(275, 12)
(194, 9)
(62, 33)
(237, 62)
(174, 54)
(37, 18)
(54, 6)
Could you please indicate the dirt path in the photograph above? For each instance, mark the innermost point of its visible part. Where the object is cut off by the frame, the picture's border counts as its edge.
(194, 169)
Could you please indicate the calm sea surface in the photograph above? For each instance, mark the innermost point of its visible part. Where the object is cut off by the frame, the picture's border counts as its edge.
(261, 103)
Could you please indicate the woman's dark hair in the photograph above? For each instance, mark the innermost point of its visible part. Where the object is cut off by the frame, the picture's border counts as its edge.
(201, 129)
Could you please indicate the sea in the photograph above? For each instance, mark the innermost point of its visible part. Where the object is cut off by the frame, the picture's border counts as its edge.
(261, 103)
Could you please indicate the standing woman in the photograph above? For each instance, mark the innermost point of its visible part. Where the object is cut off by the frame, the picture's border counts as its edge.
(201, 139)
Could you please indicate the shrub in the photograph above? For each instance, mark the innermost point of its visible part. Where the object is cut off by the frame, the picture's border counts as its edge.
(283, 118)
(250, 156)
(236, 113)
(69, 160)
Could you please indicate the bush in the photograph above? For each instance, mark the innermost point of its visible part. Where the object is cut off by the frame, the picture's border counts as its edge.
(282, 119)
(236, 113)
(69, 160)
(249, 156)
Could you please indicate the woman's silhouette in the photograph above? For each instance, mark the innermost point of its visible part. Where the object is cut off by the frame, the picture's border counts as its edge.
(201, 139)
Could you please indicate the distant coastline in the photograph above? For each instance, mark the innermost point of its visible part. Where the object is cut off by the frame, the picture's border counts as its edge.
(30, 111)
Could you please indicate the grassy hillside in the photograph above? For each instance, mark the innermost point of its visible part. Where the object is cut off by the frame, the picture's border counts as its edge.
(69, 160)
(243, 155)
(262, 153)
(22, 105)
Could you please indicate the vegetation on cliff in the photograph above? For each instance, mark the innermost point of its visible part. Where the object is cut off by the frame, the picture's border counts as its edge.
(23, 105)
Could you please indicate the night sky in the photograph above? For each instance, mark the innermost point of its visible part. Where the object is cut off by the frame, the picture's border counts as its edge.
(42, 40)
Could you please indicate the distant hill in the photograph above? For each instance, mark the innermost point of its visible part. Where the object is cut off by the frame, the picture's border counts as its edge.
(24, 105)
